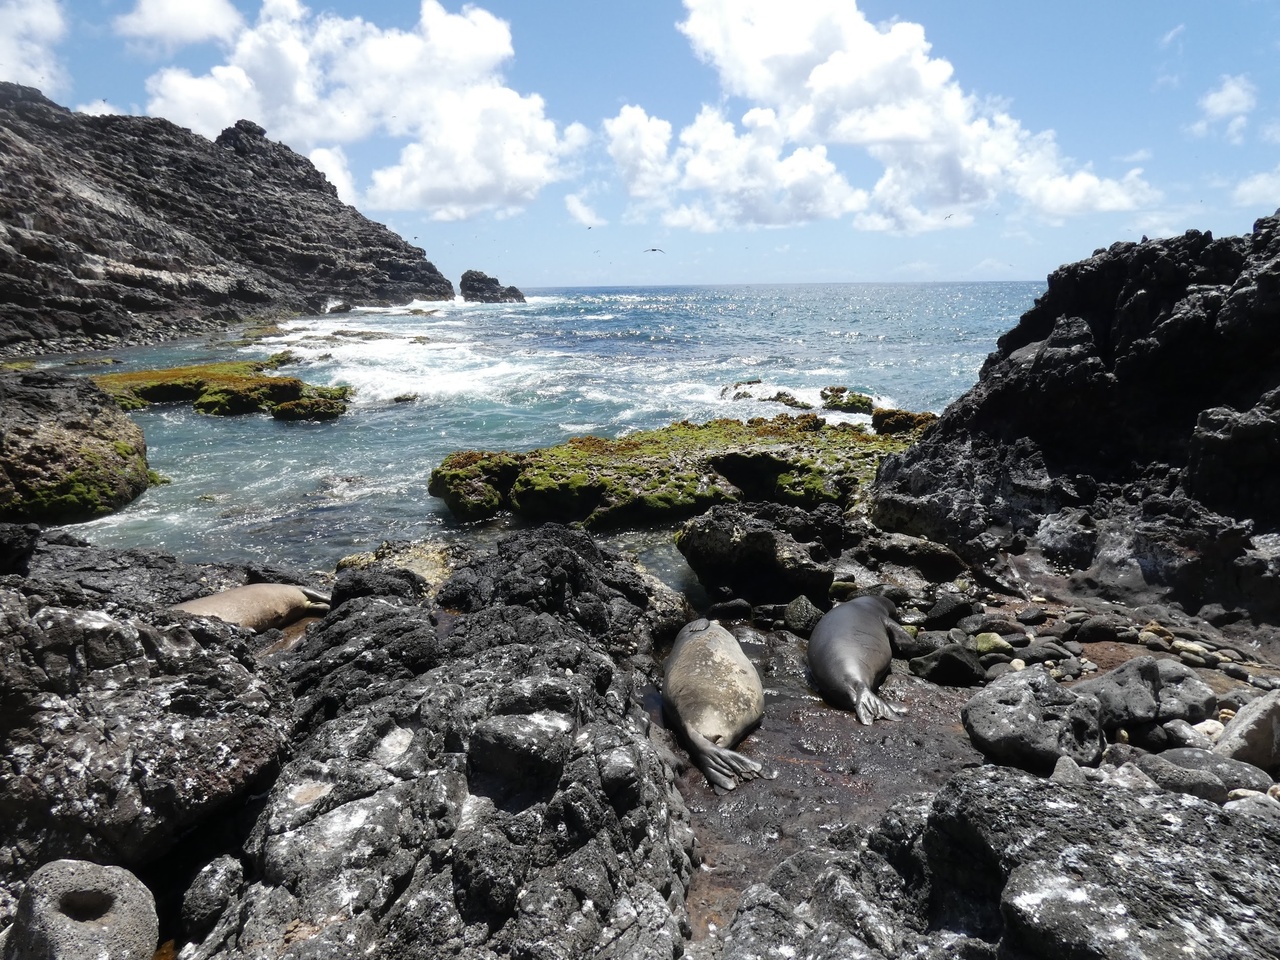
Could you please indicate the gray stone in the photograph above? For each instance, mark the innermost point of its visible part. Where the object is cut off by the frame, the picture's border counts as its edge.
(1027, 719)
(949, 666)
(1253, 734)
(1181, 779)
(801, 616)
(76, 910)
(1150, 689)
(1235, 774)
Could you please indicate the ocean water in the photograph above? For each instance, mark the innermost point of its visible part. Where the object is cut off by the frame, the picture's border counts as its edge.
(518, 376)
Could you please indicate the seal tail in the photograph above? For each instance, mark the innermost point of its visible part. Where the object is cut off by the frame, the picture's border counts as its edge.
(870, 707)
(725, 768)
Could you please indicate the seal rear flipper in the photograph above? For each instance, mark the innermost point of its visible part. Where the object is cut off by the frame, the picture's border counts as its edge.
(869, 707)
(724, 768)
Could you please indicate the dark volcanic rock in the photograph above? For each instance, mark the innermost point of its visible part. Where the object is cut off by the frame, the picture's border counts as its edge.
(1003, 864)
(132, 228)
(1126, 428)
(118, 736)
(764, 552)
(67, 450)
(478, 287)
(483, 786)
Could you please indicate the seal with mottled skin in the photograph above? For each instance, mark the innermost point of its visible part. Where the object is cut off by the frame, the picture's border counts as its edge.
(713, 696)
(849, 655)
(259, 606)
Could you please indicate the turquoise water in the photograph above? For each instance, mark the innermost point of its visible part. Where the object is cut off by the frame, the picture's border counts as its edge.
(517, 376)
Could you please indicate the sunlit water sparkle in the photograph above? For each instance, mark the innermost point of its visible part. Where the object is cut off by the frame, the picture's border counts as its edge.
(518, 376)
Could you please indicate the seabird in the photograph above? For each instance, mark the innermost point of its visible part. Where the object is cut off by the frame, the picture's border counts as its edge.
(655, 250)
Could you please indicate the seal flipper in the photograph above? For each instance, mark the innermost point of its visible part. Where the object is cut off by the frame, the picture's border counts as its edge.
(869, 707)
(723, 768)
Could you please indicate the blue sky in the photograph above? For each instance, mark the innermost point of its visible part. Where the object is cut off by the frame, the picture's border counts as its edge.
(554, 143)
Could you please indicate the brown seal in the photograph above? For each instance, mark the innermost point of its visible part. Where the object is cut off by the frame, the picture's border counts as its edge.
(713, 696)
(259, 606)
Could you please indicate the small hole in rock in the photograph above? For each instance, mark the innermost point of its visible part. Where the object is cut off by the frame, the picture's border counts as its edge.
(86, 905)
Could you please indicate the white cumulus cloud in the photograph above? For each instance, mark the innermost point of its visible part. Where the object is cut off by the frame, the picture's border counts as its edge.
(31, 29)
(1260, 190)
(822, 83)
(1227, 105)
(175, 23)
(318, 81)
(582, 212)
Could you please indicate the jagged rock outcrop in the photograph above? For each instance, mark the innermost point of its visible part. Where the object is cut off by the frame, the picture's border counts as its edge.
(478, 287)
(1124, 429)
(67, 451)
(1004, 864)
(132, 228)
(474, 778)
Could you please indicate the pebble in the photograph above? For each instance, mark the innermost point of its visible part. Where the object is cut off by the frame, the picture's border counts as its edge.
(1232, 669)
(1016, 664)
(1192, 660)
(1153, 641)
(1076, 616)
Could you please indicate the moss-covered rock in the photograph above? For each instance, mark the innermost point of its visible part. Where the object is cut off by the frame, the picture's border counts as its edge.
(845, 400)
(668, 474)
(227, 389)
(67, 451)
(886, 421)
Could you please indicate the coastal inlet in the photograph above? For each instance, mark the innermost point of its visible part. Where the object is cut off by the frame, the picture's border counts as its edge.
(438, 377)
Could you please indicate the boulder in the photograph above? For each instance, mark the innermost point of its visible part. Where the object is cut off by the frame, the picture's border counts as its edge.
(67, 452)
(1080, 446)
(158, 728)
(1027, 719)
(1148, 690)
(1253, 734)
(765, 553)
(473, 778)
(995, 866)
(73, 909)
(477, 287)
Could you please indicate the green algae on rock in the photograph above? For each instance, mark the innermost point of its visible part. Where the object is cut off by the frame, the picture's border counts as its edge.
(226, 389)
(887, 420)
(667, 474)
(67, 453)
(846, 400)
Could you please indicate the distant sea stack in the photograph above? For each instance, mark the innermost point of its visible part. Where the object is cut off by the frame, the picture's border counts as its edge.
(478, 287)
(117, 229)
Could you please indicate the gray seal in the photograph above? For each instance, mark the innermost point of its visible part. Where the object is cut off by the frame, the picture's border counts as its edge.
(259, 606)
(849, 655)
(713, 696)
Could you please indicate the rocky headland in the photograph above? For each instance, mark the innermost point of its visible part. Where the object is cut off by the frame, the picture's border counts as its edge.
(120, 229)
(467, 754)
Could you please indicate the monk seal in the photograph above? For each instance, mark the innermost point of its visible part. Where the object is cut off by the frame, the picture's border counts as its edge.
(713, 696)
(849, 655)
(259, 606)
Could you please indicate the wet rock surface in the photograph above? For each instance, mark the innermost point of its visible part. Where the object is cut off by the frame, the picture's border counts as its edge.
(131, 229)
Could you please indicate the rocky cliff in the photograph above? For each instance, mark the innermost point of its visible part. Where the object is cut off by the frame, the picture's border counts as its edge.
(1125, 435)
(133, 229)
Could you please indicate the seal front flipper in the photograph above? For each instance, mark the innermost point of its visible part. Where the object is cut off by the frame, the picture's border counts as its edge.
(723, 768)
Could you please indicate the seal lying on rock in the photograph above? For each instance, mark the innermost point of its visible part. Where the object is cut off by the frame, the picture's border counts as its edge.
(849, 654)
(259, 606)
(712, 694)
